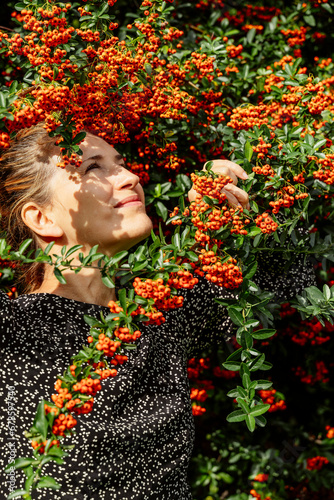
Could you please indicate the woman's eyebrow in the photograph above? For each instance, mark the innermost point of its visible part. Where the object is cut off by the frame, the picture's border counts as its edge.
(95, 157)
(118, 157)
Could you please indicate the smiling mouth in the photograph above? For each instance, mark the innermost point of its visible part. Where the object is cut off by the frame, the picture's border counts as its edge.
(131, 200)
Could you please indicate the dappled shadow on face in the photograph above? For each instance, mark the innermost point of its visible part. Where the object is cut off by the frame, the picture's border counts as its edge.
(90, 216)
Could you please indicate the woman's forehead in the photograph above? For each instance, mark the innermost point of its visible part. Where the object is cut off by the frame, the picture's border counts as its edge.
(94, 145)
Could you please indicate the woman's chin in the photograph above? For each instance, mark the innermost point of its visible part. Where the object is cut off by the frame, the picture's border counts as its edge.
(137, 234)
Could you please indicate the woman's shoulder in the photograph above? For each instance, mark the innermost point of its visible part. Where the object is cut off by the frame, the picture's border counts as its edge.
(48, 308)
(43, 311)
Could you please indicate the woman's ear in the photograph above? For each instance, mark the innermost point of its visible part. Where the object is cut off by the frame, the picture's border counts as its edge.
(41, 221)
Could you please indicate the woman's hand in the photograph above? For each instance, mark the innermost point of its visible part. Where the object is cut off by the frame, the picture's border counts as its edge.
(235, 196)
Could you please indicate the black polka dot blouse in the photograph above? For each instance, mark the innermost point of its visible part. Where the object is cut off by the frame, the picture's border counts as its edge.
(137, 441)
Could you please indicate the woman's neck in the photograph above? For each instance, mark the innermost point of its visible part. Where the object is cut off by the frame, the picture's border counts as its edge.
(86, 286)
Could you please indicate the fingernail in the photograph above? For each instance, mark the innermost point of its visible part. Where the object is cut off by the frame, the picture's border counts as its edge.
(244, 175)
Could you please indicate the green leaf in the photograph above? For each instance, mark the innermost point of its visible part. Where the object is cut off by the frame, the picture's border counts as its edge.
(184, 182)
(326, 292)
(259, 409)
(266, 365)
(3, 101)
(49, 247)
(79, 137)
(72, 250)
(56, 451)
(40, 422)
(30, 479)
(235, 316)
(122, 298)
(254, 231)
(107, 281)
(263, 385)
(119, 256)
(17, 493)
(250, 35)
(250, 421)
(251, 270)
(248, 151)
(257, 363)
(24, 246)
(310, 20)
(246, 381)
(20, 463)
(243, 404)
(244, 369)
(176, 240)
(236, 416)
(231, 365)
(325, 6)
(246, 339)
(263, 334)
(254, 206)
(273, 24)
(261, 421)
(148, 68)
(161, 210)
(241, 392)
(314, 295)
(59, 276)
(235, 355)
(48, 482)
(233, 393)
(227, 478)
(192, 256)
(90, 320)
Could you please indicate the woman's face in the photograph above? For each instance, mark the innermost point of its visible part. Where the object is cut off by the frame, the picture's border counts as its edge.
(100, 202)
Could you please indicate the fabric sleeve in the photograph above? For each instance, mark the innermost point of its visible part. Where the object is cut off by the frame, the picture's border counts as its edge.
(211, 325)
(6, 320)
(218, 328)
(278, 275)
(202, 322)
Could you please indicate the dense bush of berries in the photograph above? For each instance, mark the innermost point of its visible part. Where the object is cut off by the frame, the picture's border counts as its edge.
(171, 87)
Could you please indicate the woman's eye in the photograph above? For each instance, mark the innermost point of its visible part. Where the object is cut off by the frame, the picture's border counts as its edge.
(91, 167)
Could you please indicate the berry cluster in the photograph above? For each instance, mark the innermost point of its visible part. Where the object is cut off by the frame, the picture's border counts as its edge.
(321, 374)
(209, 186)
(200, 386)
(226, 274)
(40, 446)
(208, 220)
(268, 397)
(106, 344)
(182, 279)
(264, 170)
(266, 223)
(330, 432)
(326, 172)
(316, 463)
(151, 289)
(62, 424)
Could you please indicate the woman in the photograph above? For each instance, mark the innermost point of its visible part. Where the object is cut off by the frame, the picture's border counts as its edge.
(137, 441)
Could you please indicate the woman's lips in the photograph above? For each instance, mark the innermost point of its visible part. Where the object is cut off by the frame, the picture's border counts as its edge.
(130, 200)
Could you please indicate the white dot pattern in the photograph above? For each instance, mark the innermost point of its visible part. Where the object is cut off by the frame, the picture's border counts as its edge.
(137, 441)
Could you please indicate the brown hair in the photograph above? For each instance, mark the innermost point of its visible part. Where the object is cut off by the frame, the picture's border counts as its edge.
(25, 172)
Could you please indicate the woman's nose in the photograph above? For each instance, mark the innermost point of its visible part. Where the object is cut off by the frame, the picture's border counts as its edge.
(126, 179)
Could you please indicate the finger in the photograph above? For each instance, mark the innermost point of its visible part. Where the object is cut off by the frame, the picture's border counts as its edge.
(226, 171)
(192, 195)
(238, 193)
(238, 171)
(232, 200)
